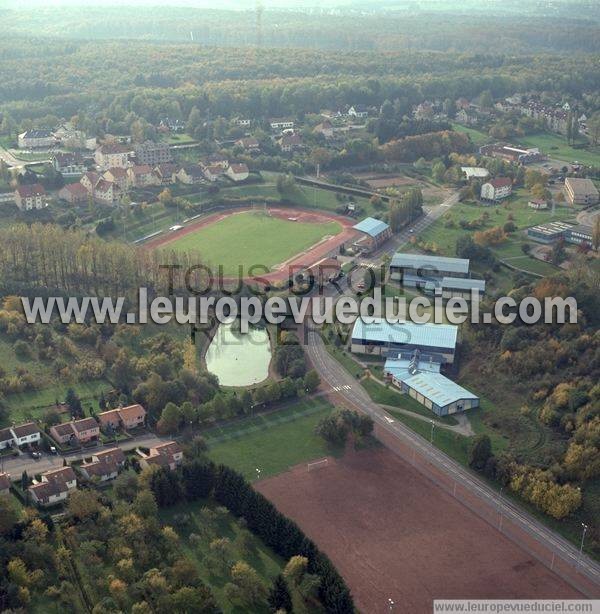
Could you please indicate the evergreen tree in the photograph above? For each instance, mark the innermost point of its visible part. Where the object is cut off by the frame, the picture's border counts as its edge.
(279, 595)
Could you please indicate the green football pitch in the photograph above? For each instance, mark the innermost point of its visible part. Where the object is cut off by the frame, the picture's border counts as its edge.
(252, 238)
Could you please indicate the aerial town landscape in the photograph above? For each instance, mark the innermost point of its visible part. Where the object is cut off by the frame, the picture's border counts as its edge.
(422, 160)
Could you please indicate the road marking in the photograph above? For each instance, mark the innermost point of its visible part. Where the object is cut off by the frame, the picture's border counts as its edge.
(390, 420)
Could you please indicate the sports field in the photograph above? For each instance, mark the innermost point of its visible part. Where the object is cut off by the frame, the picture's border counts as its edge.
(270, 238)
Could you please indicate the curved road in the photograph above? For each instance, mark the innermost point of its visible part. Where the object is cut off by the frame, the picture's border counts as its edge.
(356, 397)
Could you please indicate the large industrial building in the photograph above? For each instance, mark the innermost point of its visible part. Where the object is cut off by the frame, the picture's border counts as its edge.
(429, 273)
(581, 191)
(378, 336)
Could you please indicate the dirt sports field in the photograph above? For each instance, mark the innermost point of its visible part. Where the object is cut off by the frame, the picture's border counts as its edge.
(392, 533)
(284, 269)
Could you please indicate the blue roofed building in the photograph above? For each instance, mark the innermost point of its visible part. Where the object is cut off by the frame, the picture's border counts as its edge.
(380, 337)
(373, 233)
(418, 375)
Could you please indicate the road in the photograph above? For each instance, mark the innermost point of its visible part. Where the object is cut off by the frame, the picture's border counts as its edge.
(354, 396)
(15, 465)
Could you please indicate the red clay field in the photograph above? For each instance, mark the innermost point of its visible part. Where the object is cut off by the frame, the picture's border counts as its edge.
(392, 533)
(257, 240)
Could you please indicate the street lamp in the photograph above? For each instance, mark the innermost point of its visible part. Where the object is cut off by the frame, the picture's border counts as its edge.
(258, 473)
(391, 604)
(432, 427)
(585, 528)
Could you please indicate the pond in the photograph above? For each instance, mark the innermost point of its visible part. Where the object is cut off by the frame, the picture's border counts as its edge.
(239, 359)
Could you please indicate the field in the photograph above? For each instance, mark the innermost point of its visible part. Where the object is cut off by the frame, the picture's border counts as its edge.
(273, 442)
(237, 238)
(443, 236)
(555, 146)
(403, 538)
(477, 137)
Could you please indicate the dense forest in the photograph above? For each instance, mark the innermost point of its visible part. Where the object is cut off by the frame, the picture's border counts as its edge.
(399, 26)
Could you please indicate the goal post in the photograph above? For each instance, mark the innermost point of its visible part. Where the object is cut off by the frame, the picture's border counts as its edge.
(318, 464)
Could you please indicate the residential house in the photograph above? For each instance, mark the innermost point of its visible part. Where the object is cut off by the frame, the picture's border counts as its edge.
(4, 484)
(249, 144)
(496, 189)
(190, 175)
(80, 431)
(537, 204)
(359, 111)
(170, 124)
(104, 466)
(70, 137)
(242, 121)
(290, 142)
(462, 103)
(424, 110)
(118, 176)
(281, 124)
(26, 434)
(54, 486)
(213, 172)
(112, 154)
(30, 197)
(467, 117)
(69, 164)
(141, 175)
(555, 118)
(238, 172)
(580, 191)
(474, 172)
(152, 153)
(36, 139)
(106, 192)
(128, 417)
(325, 128)
(89, 181)
(216, 159)
(6, 439)
(165, 173)
(168, 454)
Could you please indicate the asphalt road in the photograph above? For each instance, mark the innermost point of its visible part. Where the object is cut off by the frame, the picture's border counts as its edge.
(15, 465)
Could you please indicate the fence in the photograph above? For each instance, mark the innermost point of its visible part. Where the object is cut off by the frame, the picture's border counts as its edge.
(513, 524)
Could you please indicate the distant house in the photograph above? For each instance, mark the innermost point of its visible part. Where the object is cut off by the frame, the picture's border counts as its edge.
(213, 172)
(152, 153)
(281, 124)
(325, 128)
(69, 164)
(249, 144)
(104, 466)
(373, 233)
(89, 181)
(106, 192)
(216, 159)
(36, 139)
(168, 454)
(243, 121)
(462, 103)
(141, 175)
(165, 173)
(54, 486)
(6, 439)
(30, 197)
(359, 111)
(424, 110)
(128, 417)
(237, 172)
(475, 172)
(289, 142)
(4, 484)
(118, 176)
(81, 431)
(580, 191)
(190, 175)
(467, 117)
(537, 204)
(496, 189)
(112, 154)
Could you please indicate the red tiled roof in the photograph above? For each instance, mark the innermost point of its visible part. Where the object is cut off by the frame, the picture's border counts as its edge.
(26, 191)
(501, 182)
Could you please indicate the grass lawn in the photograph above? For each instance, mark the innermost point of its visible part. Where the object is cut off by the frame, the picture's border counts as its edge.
(555, 146)
(25, 405)
(273, 442)
(243, 546)
(477, 137)
(444, 237)
(240, 239)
